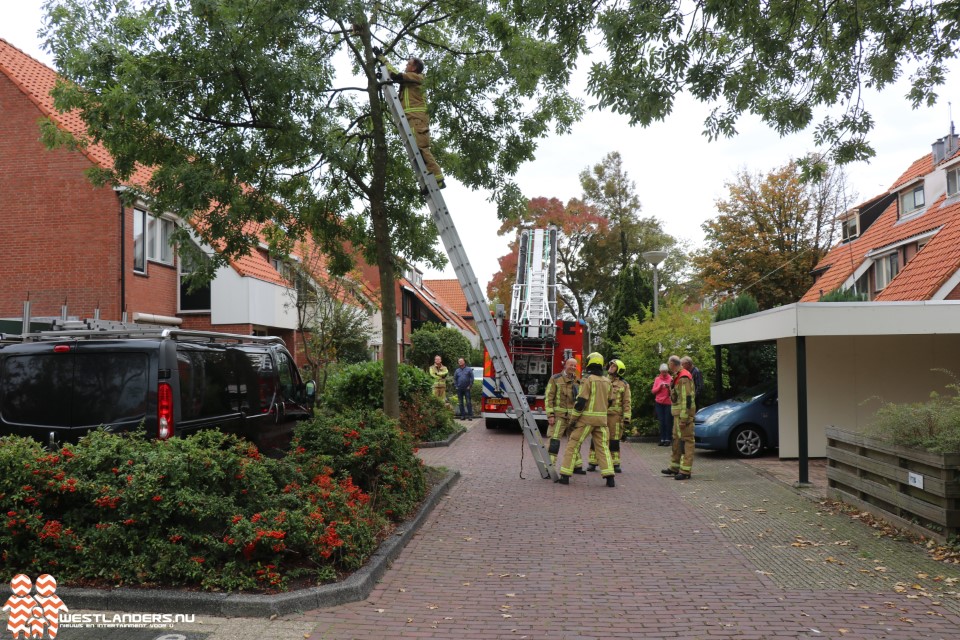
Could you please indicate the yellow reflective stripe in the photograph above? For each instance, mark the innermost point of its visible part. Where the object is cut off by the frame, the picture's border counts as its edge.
(414, 109)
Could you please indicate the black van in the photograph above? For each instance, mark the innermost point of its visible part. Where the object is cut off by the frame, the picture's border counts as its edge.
(57, 386)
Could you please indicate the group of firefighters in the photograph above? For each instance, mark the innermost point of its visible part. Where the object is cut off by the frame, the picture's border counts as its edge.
(598, 408)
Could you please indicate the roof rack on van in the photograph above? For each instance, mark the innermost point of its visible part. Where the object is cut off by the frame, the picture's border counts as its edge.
(150, 332)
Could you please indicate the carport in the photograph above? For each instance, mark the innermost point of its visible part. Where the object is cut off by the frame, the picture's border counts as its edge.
(838, 362)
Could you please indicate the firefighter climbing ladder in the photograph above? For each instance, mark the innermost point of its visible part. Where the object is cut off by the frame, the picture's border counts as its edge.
(468, 282)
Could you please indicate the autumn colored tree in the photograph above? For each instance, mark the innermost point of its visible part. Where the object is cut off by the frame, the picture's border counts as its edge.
(770, 233)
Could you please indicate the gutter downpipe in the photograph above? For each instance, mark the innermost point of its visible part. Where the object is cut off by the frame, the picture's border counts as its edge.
(123, 255)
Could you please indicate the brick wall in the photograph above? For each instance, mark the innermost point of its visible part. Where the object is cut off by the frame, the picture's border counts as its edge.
(60, 235)
(955, 294)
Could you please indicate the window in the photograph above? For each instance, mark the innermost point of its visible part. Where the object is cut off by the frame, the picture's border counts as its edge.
(887, 267)
(953, 181)
(911, 200)
(159, 233)
(194, 295)
(862, 285)
(151, 240)
(139, 244)
(850, 229)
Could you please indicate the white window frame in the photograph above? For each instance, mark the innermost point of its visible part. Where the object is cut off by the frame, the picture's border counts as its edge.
(954, 173)
(911, 198)
(884, 273)
(158, 250)
(854, 229)
(140, 252)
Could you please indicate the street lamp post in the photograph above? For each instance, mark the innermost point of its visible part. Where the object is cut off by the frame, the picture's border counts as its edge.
(655, 258)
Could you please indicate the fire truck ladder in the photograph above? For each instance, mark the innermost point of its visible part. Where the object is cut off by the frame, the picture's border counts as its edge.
(531, 310)
(468, 282)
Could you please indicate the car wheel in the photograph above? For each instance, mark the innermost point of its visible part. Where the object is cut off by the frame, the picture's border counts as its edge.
(747, 441)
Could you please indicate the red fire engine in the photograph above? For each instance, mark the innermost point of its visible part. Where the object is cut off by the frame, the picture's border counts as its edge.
(536, 342)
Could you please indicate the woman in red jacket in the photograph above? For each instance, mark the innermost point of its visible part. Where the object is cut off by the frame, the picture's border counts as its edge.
(661, 404)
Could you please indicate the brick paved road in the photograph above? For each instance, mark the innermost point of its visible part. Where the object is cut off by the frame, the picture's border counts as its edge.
(730, 554)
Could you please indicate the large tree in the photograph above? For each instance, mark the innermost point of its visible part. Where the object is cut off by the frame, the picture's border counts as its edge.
(254, 116)
(770, 233)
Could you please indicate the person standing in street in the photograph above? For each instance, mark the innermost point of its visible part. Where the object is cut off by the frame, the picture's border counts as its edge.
(561, 394)
(687, 363)
(590, 421)
(463, 383)
(662, 404)
(438, 373)
(683, 408)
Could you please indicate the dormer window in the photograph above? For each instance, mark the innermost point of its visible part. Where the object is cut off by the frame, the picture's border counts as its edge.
(911, 201)
(953, 181)
(850, 228)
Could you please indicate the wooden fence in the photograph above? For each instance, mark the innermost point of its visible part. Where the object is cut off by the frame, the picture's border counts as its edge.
(908, 487)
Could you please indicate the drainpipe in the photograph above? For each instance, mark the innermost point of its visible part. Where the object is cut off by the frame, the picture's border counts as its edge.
(123, 255)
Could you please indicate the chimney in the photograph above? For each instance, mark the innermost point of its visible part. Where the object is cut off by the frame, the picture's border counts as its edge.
(946, 146)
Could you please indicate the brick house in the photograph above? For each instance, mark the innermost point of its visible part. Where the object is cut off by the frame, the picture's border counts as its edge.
(70, 244)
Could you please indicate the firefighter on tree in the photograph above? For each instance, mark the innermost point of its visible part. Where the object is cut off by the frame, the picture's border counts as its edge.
(561, 394)
(413, 99)
(438, 372)
(590, 421)
(683, 408)
(618, 413)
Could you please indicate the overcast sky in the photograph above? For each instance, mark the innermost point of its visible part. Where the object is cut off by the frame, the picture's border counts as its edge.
(679, 175)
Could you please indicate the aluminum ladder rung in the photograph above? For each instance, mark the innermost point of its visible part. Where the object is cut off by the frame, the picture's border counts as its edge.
(468, 281)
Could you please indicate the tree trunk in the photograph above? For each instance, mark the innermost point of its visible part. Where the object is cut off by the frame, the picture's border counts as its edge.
(381, 235)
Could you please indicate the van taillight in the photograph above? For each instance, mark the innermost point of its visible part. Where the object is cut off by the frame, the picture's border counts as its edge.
(164, 411)
(62, 348)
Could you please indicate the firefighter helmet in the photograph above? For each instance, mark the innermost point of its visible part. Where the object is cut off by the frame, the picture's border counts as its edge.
(621, 368)
(595, 359)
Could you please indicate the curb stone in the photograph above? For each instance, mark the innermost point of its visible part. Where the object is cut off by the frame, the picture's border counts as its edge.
(443, 443)
(356, 587)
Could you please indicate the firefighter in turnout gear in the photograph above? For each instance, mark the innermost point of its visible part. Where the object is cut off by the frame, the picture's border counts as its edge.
(683, 408)
(618, 413)
(561, 394)
(590, 421)
(414, 103)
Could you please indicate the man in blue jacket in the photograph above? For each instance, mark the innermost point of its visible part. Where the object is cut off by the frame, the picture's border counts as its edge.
(463, 383)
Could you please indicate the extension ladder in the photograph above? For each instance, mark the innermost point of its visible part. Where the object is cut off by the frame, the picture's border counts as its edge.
(468, 282)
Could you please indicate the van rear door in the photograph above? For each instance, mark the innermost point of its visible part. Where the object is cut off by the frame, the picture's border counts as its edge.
(66, 389)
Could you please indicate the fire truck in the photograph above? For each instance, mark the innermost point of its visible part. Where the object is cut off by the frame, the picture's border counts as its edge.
(536, 341)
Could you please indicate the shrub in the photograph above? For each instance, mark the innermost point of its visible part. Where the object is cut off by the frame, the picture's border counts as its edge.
(933, 425)
(206, 510)
(427, 418)
(369, 448)
(360, 386)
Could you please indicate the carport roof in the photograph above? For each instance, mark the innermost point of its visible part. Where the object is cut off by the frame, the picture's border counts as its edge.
(840, 319)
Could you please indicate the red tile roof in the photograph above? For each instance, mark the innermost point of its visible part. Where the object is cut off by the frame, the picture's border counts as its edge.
(439, 307)
(451, 293)
(919, 168)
